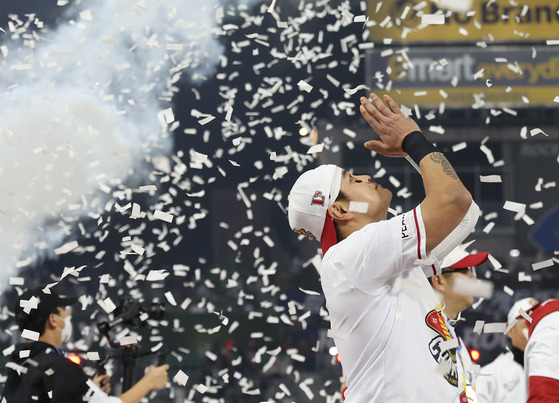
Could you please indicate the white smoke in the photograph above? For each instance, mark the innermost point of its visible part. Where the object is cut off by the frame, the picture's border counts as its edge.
(82, 108)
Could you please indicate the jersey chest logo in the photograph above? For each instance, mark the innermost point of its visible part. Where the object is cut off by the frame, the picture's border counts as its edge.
(446, 358)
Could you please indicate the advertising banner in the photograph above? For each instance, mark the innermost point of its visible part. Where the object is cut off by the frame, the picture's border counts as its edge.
(487, 20)
(463, 76)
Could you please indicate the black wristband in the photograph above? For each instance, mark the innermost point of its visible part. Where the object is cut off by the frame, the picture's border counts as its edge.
(417, 146)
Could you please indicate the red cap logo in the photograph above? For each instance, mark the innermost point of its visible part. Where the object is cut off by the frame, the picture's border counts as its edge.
(318, 198)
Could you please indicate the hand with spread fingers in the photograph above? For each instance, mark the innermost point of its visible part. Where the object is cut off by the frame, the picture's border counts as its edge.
(389, 123)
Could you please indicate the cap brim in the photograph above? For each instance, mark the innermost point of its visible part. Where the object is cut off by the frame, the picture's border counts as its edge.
(328, 238)
(472, 260)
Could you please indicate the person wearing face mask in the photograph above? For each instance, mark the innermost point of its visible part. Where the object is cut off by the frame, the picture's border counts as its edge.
(38, 370)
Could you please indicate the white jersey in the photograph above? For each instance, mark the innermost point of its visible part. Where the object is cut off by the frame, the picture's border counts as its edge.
(383, 316)
(502, 381)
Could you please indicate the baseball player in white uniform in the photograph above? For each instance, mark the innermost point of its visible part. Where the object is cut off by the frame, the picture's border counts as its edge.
(384, 318)
(503, 380)
(536, 332)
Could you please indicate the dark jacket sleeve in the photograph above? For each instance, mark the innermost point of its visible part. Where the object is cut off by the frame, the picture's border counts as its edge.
(69, 382)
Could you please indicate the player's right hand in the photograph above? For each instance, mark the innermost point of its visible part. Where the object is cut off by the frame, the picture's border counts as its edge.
(389, 123)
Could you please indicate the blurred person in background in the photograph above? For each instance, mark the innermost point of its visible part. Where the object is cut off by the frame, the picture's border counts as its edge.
(503, 380)
(38, 370)
(536, 332)
(458, 263)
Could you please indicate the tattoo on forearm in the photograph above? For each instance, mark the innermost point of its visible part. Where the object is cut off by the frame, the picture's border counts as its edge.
(447, 168)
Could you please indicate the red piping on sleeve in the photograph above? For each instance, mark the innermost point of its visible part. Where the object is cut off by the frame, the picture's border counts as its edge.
(418, 235)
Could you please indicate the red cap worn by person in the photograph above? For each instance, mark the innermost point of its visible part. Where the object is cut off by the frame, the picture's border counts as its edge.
(458, 258)
(309, 199)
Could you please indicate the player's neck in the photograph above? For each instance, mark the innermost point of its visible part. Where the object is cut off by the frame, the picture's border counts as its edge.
(451, 312)
(357, 223)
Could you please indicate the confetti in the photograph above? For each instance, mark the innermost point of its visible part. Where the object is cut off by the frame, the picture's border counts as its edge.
(474, 287)
(432, 19)
(16, 281)
(490, 179)
(181, 378)
(494, 327)
(67, 247)
(316, 149)
(30, 335)
(160, 215)
(542, 264)
(93, 356)
(128, 340)
(478, 327)
(303, 86)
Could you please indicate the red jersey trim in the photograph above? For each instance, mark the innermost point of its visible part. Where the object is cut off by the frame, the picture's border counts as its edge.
(418, 234)
(540, 311)
(542, 389)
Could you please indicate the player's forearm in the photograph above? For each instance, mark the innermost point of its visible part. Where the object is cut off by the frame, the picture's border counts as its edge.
(442, 185)
(443, 188)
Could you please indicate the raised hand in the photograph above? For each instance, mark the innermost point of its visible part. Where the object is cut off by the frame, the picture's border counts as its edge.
(389, 123)
(157, 376)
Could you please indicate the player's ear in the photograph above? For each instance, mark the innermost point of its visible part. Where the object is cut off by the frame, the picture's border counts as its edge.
(51, 322)
(438, 282)
(339, 211)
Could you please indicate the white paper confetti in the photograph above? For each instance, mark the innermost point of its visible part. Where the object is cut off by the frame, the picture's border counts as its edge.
(16, 281)
(498, 327)
(309, 292)
(128, 340)
(542, 265)
(93, 356)
(490, 179)
(448, 344)
(160, 215)
(181, 378)
(474, 287)
(478, 327)
(336, 334)
(432, 19)
(170, 298)
(459, 146)
(30, 335)
(304, 86)
(67, 247)
(316, 149)
(107, 305)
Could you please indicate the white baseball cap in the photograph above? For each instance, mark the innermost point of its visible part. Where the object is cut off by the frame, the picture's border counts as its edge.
(525, 304)
(309, 199)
